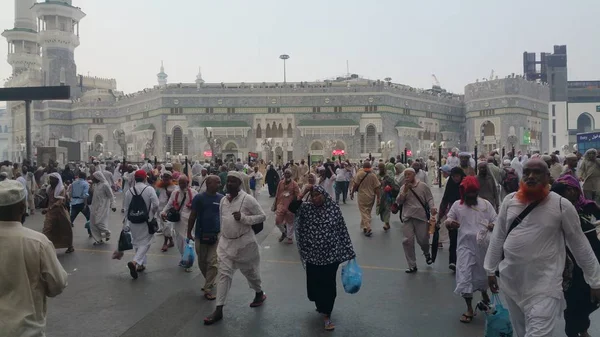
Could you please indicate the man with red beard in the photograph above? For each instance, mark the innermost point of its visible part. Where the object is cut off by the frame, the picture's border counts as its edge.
(528, 249)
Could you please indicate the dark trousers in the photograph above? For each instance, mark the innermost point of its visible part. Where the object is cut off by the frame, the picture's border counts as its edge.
(321, 286)
(579, 305)
(341, 187)
(272, 188)
(453, 234)
(80, 208)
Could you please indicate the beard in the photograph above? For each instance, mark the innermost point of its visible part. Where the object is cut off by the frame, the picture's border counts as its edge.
(471, 200)
(528, 194)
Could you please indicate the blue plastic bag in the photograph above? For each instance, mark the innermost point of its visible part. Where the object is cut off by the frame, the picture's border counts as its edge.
(189, 254)
(252, 183)
(351, 277)
(498, 323)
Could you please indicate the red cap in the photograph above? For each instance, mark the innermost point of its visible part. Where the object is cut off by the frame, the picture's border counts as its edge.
(140, 174)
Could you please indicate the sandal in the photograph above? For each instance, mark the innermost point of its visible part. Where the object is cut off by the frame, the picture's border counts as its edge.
(368, 232)
(428, 258)
(258, 303)
(386, 227)
(69, 250)
(98, 243)
(209, 296)
(466, 318)
(164, 248)
(213, 318)
(140, 268)
(132, 270)
(411, 270)
(329, 326)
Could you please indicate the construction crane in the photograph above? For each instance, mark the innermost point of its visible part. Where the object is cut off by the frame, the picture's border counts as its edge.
(435, 80)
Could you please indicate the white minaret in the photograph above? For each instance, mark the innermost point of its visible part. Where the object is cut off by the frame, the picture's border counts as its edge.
(23, 47)
(199, 80)
(58, 25)
(162, 76)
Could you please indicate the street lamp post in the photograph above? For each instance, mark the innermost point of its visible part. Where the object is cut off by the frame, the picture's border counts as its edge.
(284, 57)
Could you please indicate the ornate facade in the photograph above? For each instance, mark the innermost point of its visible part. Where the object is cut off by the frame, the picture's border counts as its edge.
(351, 116)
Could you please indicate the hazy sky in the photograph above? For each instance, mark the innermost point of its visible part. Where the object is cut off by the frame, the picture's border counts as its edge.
(240, 40)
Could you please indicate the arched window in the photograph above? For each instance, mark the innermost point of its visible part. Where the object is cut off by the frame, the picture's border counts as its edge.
(371, 138)
(280, 131)
(316, 146)
(268, 131)
(489, 129)
(290, 131)
(258, 131)
(584, 123)
(177, 142)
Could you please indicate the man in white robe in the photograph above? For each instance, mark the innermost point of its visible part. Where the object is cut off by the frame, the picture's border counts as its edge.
(474, 218)
(200, 179)
(534, 253)
(257, 181)
(103, 201)
(237, 247)
(141, 237)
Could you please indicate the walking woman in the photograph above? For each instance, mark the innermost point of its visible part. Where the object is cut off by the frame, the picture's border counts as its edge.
(389, 192)
(287, 191)
(577, 291)
(180, 202)
(103, 202)
(57, 224)
(272, 179)
(323, 243)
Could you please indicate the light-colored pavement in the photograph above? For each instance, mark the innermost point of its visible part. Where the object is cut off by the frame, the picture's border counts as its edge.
(102, 300)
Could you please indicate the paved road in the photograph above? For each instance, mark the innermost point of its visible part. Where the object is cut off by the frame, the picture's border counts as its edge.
(103, 301)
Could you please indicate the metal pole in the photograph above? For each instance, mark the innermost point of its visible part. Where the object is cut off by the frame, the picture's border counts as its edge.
(440, 166)
(405, 155)
(503, 152)
(28, 131)
(284, 73)
(475, 158)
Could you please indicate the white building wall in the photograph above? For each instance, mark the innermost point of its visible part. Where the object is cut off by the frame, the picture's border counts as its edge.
(559, 135)
(576, 109)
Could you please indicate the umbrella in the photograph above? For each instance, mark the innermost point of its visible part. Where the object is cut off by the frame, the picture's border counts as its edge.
(434, 243)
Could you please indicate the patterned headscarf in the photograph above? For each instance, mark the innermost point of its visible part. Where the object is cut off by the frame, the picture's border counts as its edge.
(568, 180)
(321, 232)
(469, 184)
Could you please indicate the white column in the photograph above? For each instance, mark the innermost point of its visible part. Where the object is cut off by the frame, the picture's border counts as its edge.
(56, 22)
(77, 29)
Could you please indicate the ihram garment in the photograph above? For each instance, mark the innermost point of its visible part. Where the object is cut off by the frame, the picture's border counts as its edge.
(238, 248)
(181, 201)
(102, 202)
(534, 260)
(57, 224)
(473, 220)
(323, 243)
(164, 194)
(141, 238)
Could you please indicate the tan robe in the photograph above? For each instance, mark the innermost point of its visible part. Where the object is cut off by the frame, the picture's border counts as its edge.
(367, 191)
(303, 174)
(57, 224)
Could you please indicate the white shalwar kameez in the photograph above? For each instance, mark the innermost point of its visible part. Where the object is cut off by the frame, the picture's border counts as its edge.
(102, 202)
(531, 272)
(237, 247)
(180, 227)
(140, 237)
(470, 254)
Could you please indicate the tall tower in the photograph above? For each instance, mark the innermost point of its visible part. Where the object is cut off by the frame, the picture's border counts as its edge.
(162, 76)
(23, 47)
(199, 80)
(58, 23)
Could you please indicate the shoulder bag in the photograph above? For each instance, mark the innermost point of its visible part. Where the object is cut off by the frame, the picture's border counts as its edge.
(361, 181)
(425, 206)
(174, 215)
(258, 227)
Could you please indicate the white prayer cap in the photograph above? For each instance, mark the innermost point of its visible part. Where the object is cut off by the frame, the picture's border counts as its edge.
(236, 174)
(410, 169)
(506, 162)
(571, 156)
(11, 192)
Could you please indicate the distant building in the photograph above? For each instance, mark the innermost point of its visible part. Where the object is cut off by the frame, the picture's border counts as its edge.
(348, 116)
(574, 106)
(6, 149)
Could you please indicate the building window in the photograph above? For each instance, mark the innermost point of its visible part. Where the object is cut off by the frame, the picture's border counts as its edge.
(367, 108)
(337, 109)
(316, 109)
(209, 110)
(554, 141)
(98, 120)
(230, 110)
(177, 141)
(429, 114)
(274, 110)
(553, 110)
(406, 111)
(488, 112)
(145, 114)
(554, 126)
(176, 111)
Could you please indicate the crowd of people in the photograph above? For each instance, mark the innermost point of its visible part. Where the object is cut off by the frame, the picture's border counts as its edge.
(529, 219)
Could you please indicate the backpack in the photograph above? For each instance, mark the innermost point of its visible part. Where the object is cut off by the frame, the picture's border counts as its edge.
(137, 211)
(511, 181)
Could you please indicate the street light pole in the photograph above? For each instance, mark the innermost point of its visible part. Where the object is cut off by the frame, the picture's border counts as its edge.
(284, 57)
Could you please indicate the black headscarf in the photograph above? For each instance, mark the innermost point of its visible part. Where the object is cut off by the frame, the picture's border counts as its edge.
(452, 192)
